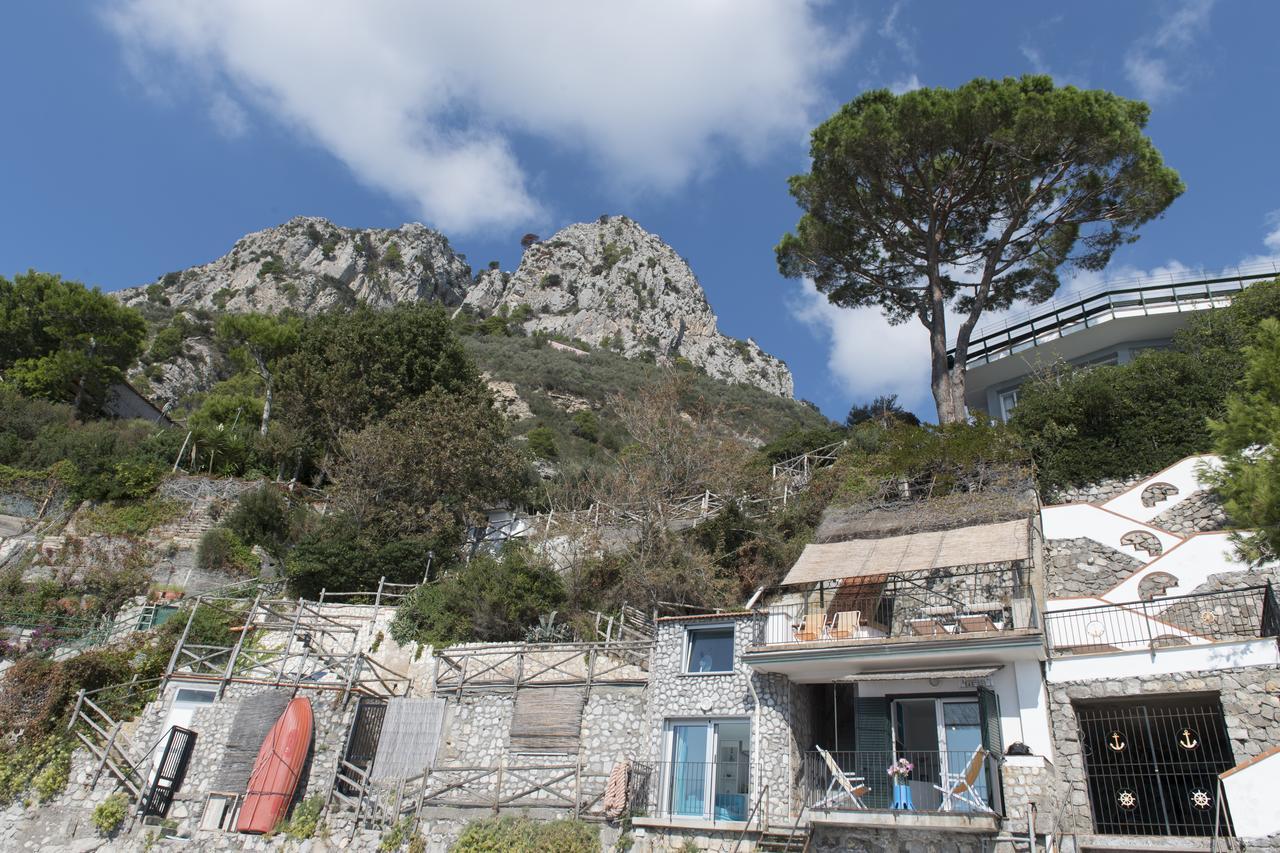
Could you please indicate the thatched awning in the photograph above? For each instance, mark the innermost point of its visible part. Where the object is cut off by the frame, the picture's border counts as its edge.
(915, 552)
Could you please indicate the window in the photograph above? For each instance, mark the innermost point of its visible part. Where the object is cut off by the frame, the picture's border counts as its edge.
(1008, 399)
(709, 649)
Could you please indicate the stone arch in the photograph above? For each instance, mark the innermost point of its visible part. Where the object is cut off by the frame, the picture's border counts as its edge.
(1158, 493)
(1155, 584)
(1142, 540)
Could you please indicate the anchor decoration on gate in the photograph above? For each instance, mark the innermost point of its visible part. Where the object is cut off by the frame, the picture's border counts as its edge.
(1188, 740)
(1116, 742)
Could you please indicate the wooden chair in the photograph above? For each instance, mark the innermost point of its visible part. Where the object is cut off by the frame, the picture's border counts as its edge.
(960, 787)
(844, 784)
(844, 624)
(814, 627)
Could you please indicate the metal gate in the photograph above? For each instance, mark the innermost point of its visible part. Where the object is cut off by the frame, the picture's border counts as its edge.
(362, 745)
(167, 777)
(1152, 767)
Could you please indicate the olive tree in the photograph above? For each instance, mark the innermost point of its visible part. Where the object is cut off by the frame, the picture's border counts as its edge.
(969, 199)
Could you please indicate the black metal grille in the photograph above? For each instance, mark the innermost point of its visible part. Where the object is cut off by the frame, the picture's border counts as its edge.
(1178, 620)
(1152, 767)
(168, 776)
(362, 745)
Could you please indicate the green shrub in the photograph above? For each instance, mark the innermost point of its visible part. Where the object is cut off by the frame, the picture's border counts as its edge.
(220, 550)
(111, 812)
(542, 443)
(487, 599)
(305, 818)
(39, 763)
(128, 519)
(261, 517)
(523, 835)
(586, 425)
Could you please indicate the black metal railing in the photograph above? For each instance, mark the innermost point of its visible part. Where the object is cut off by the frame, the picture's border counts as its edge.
(922, 788)
(167, 777)
(1054, 320)
(935, 605)
(1179, 620)
(697, 790)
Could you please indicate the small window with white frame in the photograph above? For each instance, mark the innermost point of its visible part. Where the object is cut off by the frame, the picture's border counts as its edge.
(709, 649)
(1008, 400)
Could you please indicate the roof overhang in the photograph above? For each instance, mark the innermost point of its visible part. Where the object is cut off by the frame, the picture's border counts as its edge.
(849, 661)
(1006, 541)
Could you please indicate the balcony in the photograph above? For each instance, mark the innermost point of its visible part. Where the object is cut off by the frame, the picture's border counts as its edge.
(1199, 619)
(922, 620)
(913, 801)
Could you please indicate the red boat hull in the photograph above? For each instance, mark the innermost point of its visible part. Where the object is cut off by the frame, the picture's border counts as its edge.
(277, 769)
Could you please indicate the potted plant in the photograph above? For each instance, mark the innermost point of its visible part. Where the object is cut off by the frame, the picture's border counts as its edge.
(899, 773)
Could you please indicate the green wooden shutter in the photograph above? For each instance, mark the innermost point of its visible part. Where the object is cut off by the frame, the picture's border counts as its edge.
(873, 737)
(993, 742)
(989, 709)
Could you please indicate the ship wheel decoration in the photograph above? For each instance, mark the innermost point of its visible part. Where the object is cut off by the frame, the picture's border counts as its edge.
(1127, 800)
(1208, 617)
(1201, 800)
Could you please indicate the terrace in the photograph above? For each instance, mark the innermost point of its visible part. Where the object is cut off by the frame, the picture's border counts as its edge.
(920, 600)
(1178, 621)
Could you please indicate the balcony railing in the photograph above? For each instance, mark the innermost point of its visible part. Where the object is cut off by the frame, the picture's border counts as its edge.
(694, 790)
(1179, 620)
(936, 606)
(867, 774)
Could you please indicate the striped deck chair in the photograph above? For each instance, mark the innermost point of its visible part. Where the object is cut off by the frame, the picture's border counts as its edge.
(843, 785)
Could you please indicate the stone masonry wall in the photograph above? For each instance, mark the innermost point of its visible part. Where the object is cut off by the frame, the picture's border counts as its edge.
(1201, 511)
(675, 693)
(1103, 490)
(1082, 567)
(1250, 699)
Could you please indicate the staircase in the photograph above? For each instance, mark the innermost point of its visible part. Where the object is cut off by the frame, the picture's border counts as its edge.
(792, 840)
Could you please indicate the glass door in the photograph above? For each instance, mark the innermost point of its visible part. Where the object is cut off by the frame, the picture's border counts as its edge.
(916, 739)
(709, 774)
(690, 745)
(962, 736)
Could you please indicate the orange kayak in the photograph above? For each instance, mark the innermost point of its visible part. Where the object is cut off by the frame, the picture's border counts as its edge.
(277, 769)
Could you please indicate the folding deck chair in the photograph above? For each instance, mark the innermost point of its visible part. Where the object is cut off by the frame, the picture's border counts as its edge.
(854, 787)
(844, 624)
(960, 786)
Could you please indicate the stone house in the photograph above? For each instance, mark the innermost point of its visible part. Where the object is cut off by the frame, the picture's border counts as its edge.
(1099, 675)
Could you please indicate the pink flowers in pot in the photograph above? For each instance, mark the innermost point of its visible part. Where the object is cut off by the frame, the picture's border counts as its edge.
(900, 770)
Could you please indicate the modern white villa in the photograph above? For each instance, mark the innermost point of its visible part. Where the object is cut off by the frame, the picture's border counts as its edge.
(1109, 324)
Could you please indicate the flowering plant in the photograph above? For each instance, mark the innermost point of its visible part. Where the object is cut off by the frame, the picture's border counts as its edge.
(900, 770)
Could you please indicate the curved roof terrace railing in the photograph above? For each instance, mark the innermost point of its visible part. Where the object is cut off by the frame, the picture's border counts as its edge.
(1106, 302)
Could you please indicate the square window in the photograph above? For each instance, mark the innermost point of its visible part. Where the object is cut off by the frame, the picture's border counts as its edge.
(710, 649)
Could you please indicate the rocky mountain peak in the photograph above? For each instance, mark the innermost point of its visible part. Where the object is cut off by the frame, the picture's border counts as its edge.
(308, 264)
(616, 286)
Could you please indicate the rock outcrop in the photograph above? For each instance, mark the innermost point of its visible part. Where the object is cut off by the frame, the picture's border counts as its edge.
(614, 285)
(309, 265)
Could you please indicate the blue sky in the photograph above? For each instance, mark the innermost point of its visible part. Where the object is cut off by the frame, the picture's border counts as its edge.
(143, 136)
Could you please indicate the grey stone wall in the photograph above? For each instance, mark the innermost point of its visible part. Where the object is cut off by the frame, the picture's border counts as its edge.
(1103, 490)
(1082, 567)
(1250, 699)
(1199, 512)
(674, 693)
(831, 839)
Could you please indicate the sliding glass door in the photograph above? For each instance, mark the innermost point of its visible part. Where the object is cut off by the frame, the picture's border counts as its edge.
(709, 773)
(939, 737)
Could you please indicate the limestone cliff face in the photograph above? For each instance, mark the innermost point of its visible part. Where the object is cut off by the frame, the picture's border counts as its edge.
(609, 283)
(614, 285)
(310, 265)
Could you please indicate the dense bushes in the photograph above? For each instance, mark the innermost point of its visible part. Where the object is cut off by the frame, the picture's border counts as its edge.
(222, 551)
(1088, 424)
(525, 835)
(487, 599)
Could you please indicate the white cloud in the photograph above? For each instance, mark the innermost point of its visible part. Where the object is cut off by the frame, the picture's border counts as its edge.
(1272, 240)
(422, 100)
(1151, 59)
(910, 84)
(228, 116)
